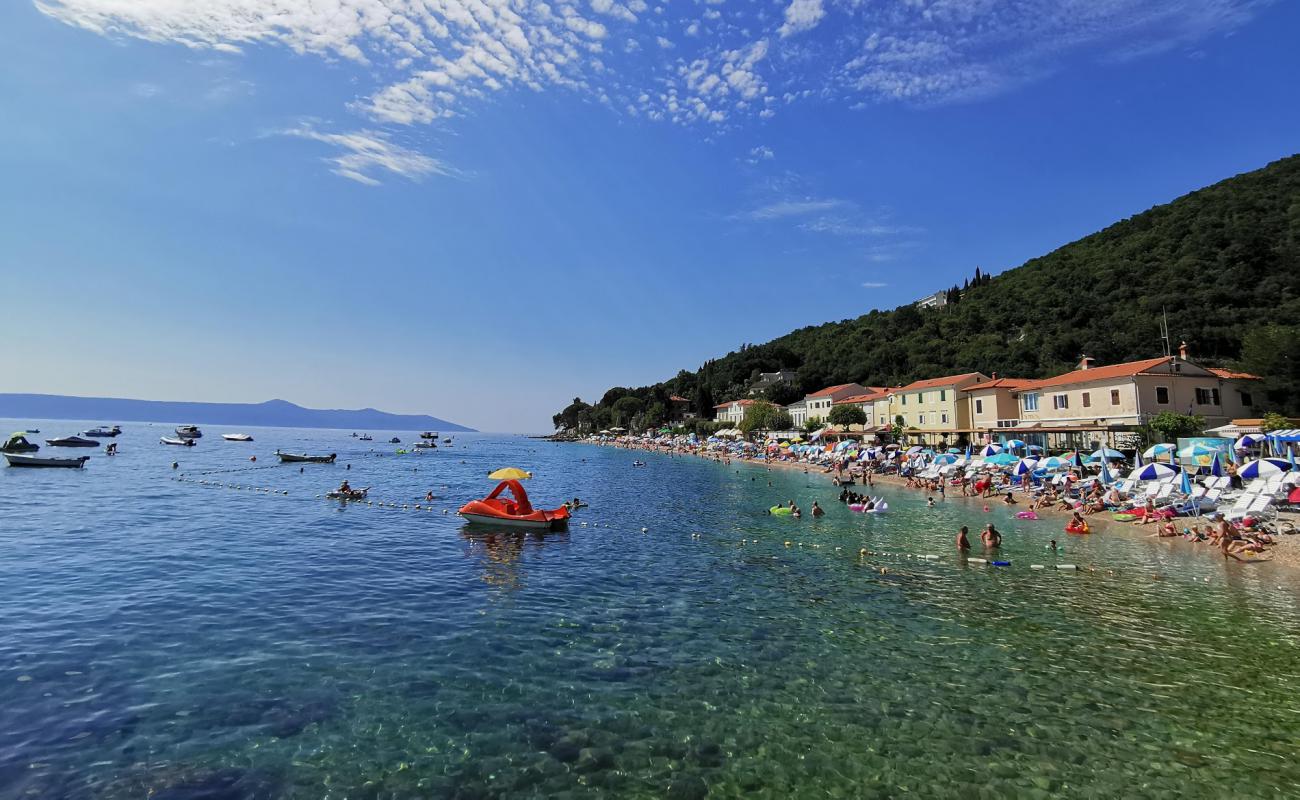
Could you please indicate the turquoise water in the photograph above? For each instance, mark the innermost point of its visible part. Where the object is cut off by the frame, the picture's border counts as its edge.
(165, 638)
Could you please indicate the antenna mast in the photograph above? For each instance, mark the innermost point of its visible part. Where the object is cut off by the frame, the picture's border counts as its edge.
(1164, 333)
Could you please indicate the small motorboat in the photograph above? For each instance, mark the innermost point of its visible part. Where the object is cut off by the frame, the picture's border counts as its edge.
(351, 494)
(236, 437)
(176, 441)
(429, 435)
(365, 437)
(20, 460)
(426, 445)
(516, 513)
(447, 440)
(103, 432)
(189, 432)
(72, 441)
(394, 440)
(18, 443)
(295, 458)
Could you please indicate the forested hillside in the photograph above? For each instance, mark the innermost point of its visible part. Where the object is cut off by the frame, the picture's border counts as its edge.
(1223, 262)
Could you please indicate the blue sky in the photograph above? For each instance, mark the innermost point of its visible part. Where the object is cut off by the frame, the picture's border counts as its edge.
(479, 209)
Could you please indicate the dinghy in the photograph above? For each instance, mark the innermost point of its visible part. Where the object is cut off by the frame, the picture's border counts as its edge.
(236, 437)
(20, 460)
(178, 442)
(295, 458)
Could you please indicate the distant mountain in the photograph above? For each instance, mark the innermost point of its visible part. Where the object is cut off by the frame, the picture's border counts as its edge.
(272, 413)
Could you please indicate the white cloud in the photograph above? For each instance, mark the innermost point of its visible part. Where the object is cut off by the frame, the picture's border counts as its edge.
(874, 285)
(664, 43)
(761, 153)
(792, 208)
(801, 15)
(367, 152)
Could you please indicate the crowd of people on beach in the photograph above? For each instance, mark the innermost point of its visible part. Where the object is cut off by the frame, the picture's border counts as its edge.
(1078, 498)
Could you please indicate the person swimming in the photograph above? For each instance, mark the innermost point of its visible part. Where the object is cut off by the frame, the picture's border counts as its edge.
(991, 538)
(963, 542)
(817, 510)
(930, 502)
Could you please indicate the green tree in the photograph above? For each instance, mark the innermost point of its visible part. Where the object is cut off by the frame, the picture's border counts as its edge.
(625, 408)
(1173, 426)
(1274, 421)
(896, 430)
(572, 417)
(1273, 353)
(781, 420)
(760, 416)
(812, 425)
(782, 393)
(846, 415)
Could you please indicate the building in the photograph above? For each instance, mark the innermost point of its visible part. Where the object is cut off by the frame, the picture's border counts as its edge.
(936, 300)
(1091, 404)
(819, 403)
(936, 410)
(867, 402)
(766, 379)
(680, 409)
(732, 411)
(993, 406)
(798, 412)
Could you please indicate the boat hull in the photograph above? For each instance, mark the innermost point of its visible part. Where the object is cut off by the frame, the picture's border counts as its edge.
(236, 437)
(177, 442)
(71, 441)
(291, 458)
(17, 460)
(510, 522)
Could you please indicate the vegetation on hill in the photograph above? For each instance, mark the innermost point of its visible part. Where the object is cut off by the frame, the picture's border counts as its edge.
(1223, 262)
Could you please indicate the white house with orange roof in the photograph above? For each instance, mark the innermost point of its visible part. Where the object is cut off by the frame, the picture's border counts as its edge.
(819, 403)
(867, 402)
(1117, 397)
(732, 411)
(993, 405)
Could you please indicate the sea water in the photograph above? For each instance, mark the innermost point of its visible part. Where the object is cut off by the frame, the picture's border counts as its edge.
(198, 633)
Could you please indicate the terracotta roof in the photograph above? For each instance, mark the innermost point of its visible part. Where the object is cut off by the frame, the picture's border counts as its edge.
(676, 399)
(1108, 372)
(936, 383)
(733, 402)
(833, 389)
(1001, 383)
(870, 397)
(1228, 373)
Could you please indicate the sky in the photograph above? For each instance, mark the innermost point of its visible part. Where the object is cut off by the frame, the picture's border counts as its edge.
(479, 209)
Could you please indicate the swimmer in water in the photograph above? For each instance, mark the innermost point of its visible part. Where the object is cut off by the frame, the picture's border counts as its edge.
(930, 502)
(817, 510)
(963, 543)
(1052, 545)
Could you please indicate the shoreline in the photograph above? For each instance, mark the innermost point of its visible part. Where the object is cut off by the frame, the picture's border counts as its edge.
(1284, 555)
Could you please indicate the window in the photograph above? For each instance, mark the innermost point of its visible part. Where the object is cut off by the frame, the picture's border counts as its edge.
(904, 398)
(920, 398)
(1030, 401)
(1214, 396)
(1246, 399)
(1207, 397)
(920, 419)
(1087, 400)
(943, 418)
(943, 395)
(979, 406)
(1114, 397)
(1162, 395)
(1060, 401)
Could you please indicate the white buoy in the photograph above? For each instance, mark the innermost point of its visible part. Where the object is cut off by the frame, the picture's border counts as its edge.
(931, 557)
(644, 530)
(1067, 566)
(977, 560)
(1035, 566)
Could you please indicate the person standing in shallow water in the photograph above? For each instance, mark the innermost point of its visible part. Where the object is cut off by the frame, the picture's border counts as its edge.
(963, 543)
(991, 538)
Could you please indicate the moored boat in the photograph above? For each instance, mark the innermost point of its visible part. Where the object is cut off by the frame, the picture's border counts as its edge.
(72, 441)
(189, 432)
(429, 435)
(515, 513)
(20, 460)
(18, 443)
(426, 445)
(303, 458)
(103, 431)
(237, 437)
(365, 437)
(176, 441)
(351, 494)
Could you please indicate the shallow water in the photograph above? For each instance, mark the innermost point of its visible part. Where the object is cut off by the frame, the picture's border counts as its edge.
(161, 635)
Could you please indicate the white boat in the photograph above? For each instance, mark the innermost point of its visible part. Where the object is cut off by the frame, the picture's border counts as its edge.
(426, 445)
(189, 432)
(236, 437)
(103, 431)
(20, 460)
(180, 442)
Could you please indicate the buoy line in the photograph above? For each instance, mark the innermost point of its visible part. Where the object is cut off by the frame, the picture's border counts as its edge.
(270, 490)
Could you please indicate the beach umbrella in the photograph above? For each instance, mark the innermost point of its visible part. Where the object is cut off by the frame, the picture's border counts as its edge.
(1157, 450)
(990, 450)
(1262, 468)
(1024, 466)
(1153, 472)
(1014, 444)
(1216, 467)
(1106, 478)
(1196, 450)
(914, 449)
(946, 458)
(1249, 440)
(1053, 463)
(1001, 459)
(1107, 454)
(1185, 485)
(510, 474)
(954, 450)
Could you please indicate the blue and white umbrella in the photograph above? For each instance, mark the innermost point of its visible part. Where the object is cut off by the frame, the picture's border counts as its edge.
(1106, 454)
(1001, 459)
(1249, 440)
(1104, 476)
(1153, 472)
(1196, 450)
(1014, 444)
(990, 450)
(1157, 450)
(1025, 466)
(1216, 467)
(947, 458)
(1054, 463)
(1263, 467)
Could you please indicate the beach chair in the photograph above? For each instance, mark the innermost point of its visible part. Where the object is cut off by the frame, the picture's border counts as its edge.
(1240, 507)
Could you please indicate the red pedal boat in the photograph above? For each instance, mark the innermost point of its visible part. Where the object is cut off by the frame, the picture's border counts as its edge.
(516, 513)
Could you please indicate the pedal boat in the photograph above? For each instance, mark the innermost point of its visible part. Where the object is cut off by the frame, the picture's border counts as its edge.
(515, 513)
